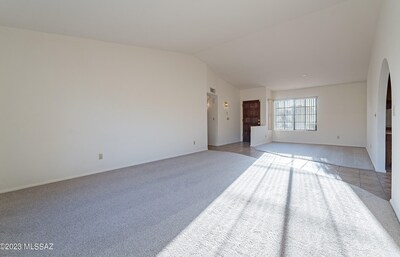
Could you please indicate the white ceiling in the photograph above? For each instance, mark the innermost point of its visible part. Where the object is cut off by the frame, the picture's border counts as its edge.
(250, 43)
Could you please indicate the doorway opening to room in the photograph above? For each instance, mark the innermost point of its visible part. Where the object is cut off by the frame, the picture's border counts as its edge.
(212, 119)
(251, 117)
(386, 178)
(388, 147)
(384, 144)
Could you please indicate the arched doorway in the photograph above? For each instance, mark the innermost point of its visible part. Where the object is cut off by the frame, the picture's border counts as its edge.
(384, 129)
(388, 141)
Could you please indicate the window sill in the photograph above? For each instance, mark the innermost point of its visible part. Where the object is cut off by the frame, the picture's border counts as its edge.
(282, 130)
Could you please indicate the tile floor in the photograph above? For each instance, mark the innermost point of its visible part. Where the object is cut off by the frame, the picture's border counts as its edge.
(374, 182)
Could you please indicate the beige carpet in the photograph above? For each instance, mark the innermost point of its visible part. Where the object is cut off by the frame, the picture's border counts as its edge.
(204, 204)
(279, 207)
(352, 157)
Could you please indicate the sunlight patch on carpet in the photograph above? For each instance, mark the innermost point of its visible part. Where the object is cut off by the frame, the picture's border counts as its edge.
(283, 206)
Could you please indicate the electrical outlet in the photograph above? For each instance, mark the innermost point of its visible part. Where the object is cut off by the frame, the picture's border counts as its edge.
(100, 156)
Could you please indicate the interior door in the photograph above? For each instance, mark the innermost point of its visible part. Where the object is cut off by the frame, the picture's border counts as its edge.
(251, 117)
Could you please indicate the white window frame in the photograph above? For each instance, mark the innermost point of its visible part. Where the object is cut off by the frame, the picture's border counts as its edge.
(289, 114)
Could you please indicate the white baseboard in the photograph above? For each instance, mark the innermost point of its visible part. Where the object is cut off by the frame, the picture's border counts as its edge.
(57, 180)
(395, 208)
(89, 173)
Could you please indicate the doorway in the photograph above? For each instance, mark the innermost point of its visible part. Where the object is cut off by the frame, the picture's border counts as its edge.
(251, 117)
(212, 119)
(388, 139)
(386, 178)
(384, 117)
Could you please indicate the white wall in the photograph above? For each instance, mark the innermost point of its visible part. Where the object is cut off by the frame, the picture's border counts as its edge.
(64, 100)
(259, 135)
(385, 58)
(228, 118)
(269, 113)
(341, 111)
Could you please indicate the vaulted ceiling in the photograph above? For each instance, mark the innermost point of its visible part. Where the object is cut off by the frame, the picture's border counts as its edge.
(279, 44)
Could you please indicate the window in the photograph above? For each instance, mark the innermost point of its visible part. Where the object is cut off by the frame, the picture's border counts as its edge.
(296, 114)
